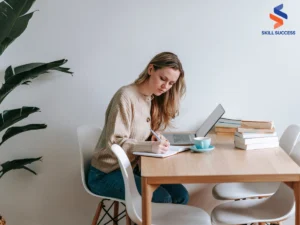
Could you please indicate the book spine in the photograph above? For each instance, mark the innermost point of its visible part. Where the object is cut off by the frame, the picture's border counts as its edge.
(257, 125)
(231, 121)
(256, 146)
(255, 135)
(225, 129)
(227, 125)
(250, 130)
(247, 141)
(225, 133)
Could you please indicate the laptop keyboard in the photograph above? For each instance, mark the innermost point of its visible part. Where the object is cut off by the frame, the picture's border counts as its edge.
(181, 138)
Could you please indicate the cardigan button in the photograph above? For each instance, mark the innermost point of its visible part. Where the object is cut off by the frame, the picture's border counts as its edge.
(148, 119)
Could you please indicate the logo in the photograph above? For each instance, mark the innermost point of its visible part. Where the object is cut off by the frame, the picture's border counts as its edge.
(278, 17)
(278, 20)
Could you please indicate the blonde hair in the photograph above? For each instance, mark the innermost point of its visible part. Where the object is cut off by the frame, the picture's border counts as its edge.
(166, 106)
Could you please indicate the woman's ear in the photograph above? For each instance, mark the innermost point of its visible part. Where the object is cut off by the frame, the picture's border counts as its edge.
(150, 69)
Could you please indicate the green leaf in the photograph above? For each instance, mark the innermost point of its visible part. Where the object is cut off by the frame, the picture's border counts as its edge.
(30, 66)
(27, 72)
(17, 4)
(12, 131)
(13, 21)
(10, 117)
(18, 164)
(8, 73)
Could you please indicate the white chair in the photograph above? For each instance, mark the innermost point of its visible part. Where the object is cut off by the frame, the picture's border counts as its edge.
(289, 138)
(235, 191)
(162, 213)
(87, 140)
(276, 208)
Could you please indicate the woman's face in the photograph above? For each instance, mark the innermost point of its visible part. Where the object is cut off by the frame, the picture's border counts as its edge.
(162, 80)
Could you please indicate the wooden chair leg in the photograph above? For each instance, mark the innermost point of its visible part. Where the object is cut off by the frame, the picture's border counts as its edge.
(261, 223)
(116, 211)
(97, 214)
(277, 223)
(128, 220)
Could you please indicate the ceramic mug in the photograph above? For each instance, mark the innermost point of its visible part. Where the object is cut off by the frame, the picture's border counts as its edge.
(202, 142)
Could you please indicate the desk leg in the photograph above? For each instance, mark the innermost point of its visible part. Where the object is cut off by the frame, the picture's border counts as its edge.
(147, 192)
(296, 187)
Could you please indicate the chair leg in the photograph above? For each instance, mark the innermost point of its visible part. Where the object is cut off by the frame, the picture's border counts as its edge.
(116, 211)
(276, 223)
(261, 222)
(115, 218)
(97, 214)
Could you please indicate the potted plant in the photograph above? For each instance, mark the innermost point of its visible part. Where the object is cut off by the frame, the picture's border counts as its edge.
(14, 18)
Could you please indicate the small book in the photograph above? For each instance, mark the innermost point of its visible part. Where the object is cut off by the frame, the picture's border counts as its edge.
(229, 121)
(172, 151)
(247, 141)
(255, 135)
(257, 145)
(225, 133)
(251, 130)
(257, 124)
(232, 125)
(225, 129)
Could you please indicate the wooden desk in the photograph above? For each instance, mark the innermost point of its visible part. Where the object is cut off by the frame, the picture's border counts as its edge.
(224, 164)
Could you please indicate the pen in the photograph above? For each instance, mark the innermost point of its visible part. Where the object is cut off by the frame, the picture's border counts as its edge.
(156, 135)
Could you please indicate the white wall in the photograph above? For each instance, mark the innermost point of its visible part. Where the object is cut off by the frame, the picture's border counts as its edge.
(108, 43)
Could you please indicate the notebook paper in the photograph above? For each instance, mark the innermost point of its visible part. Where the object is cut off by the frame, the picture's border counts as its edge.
(172, 151)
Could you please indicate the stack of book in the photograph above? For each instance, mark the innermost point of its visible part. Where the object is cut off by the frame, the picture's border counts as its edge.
(227, 126)
(256, 135)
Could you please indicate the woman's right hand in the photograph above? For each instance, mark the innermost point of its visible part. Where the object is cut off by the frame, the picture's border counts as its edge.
(160, 147)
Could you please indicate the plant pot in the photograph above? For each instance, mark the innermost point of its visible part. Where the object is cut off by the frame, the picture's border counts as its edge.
(2, 220)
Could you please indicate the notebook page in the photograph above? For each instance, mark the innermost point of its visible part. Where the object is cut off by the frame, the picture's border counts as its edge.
(172, 151)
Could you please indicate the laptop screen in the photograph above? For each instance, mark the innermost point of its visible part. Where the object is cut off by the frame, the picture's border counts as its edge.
(208, 124)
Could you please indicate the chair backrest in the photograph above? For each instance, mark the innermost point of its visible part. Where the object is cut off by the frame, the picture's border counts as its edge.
(87, 140)
(132, 196)
(289, 138)
(295, 155)
(283, 199)
(282, 203)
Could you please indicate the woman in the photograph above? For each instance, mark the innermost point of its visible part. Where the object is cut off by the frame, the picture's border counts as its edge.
(149, 103)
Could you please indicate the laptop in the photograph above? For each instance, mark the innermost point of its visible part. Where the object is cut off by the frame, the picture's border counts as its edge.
(207, 125)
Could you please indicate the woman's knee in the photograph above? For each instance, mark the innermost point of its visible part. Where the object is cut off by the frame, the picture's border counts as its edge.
(108, 185)
(178, 192)
(162, 199)
(183, 198)
(161, 195)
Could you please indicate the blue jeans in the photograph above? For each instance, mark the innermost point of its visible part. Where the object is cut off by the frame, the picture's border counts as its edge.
(112, 185)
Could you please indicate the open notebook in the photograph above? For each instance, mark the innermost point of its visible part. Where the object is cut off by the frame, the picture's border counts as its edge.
(172, 151)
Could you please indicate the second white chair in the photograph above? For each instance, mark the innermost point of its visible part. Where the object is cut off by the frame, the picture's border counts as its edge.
(276, 208)
(235, 191)
(162, 213)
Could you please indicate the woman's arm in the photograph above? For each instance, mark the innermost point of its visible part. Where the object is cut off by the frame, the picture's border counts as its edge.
(118, 126)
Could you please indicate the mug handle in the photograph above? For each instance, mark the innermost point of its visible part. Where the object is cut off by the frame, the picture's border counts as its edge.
(202, 144)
